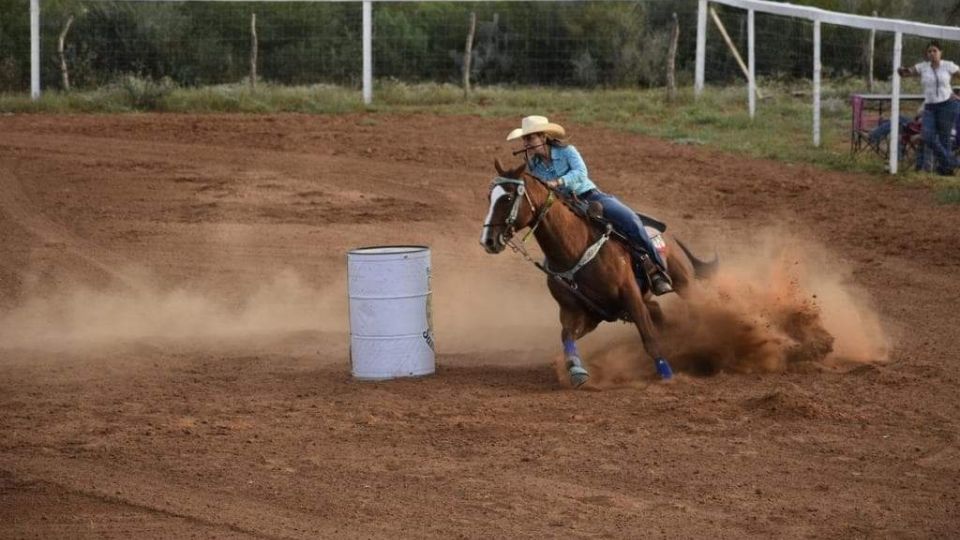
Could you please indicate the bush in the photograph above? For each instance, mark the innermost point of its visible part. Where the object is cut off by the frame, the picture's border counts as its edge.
(144, 93)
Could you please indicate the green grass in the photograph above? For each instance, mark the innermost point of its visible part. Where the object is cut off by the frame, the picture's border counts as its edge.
(780, 131)
(949, 193)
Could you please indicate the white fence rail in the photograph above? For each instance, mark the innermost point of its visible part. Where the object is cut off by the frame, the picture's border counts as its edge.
(367, 45)
(802, 14)
(819, 16)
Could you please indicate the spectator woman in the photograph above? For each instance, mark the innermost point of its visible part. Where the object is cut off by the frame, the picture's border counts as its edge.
(940, 105)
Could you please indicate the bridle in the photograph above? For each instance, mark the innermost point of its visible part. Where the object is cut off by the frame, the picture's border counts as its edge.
(526, 151)
(515, 200)
(566, 278)
(511, 219)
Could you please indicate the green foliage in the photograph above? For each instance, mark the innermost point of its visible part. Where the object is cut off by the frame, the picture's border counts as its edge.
(14, 48)
(608, 44)
(145, 94)
(949, 194)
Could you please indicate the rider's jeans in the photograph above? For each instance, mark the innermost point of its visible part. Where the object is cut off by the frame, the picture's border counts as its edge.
(938, 120)
(626, 221)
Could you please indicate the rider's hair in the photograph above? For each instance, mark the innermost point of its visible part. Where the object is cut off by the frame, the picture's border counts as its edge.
(933, 43)
(556, 142)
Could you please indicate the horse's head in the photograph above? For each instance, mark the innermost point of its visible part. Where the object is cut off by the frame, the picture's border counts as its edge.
(511, 208)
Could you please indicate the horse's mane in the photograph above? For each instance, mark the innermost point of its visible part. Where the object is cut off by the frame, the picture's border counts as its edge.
(524, 171)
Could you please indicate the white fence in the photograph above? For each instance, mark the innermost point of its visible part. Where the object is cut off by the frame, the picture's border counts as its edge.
(819, 16)
(805, 30)
(372, 41)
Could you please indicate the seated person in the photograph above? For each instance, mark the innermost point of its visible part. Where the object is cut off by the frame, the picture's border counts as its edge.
(911, 130)
(882, 130)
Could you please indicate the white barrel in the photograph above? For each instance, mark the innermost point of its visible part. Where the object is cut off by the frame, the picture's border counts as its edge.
(391, 325)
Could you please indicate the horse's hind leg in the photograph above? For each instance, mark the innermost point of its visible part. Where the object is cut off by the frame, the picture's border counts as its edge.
(656, 312)
(576, 324)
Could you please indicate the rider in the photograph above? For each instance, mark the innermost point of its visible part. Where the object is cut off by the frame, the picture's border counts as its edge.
(559, 166)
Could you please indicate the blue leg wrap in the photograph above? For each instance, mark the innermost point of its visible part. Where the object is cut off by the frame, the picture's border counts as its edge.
(663, 368)
(578, 374)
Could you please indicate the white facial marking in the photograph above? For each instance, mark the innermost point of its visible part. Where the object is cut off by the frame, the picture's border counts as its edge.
(495, 194)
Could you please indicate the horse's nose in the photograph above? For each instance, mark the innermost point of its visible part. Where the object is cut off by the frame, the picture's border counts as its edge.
(489, 244)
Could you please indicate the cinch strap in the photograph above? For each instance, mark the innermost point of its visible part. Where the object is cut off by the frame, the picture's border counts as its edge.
(588, 256)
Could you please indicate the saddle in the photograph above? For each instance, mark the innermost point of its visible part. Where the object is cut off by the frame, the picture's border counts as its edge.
(643, 264)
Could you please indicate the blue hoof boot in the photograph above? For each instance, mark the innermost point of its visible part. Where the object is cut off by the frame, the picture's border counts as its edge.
(663, 368)
(578, 376)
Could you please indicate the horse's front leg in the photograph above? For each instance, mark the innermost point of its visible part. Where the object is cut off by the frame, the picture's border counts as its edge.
(633, 301)
(576, 324)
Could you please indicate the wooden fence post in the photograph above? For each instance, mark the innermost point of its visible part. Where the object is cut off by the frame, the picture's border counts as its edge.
(468, 55)
(672, 60)
(64, 74)
(253, 51)
(732, 47)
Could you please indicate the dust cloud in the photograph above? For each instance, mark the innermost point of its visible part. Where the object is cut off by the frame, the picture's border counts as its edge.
(494, 308)
(142, 309)
(779, 302)
(475, 309)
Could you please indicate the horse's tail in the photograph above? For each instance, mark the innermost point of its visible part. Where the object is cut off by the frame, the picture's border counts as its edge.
(702, 269)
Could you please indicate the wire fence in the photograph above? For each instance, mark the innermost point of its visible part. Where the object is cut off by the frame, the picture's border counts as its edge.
(578, 44)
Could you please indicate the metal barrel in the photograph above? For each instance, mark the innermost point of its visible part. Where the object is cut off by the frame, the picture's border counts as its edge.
(391, 326)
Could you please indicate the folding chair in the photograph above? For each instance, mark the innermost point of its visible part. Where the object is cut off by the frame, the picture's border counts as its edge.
(861, 126)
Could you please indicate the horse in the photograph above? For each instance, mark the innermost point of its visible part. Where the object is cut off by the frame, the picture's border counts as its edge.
(600, 283)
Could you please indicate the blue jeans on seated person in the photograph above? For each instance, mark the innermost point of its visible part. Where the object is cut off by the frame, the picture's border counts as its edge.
(938, 121)
(882, 131)
(924, 159)
(626, 221)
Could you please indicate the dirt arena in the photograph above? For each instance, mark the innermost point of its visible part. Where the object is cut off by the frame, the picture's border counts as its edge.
(174, 343)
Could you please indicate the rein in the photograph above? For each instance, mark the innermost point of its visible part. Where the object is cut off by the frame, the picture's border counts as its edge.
(515, 208)
(551, 198)
(567, 278)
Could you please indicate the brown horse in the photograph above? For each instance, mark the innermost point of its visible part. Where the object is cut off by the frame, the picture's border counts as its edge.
(587, 289)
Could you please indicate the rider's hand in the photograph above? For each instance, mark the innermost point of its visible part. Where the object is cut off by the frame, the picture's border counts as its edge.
(553, 184)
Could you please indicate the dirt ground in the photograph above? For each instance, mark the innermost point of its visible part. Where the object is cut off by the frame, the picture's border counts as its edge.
(174, 343)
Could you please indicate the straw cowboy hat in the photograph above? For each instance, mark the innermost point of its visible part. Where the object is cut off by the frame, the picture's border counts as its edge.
(537, 124)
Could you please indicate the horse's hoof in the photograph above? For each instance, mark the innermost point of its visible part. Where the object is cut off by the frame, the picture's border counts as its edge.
(663, 368)
(578, 376)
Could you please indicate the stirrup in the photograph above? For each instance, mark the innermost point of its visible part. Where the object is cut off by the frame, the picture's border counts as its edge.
(658, 279)
(660, 284)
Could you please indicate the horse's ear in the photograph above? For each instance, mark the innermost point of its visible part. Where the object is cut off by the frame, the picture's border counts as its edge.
(499, 166)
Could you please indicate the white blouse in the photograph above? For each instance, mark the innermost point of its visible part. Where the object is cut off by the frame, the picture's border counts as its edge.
(936, 82)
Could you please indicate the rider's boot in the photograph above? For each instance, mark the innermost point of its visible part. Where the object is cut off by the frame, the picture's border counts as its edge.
(660, 283)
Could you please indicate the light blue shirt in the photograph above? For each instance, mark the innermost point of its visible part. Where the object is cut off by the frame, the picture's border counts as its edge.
(566, 165)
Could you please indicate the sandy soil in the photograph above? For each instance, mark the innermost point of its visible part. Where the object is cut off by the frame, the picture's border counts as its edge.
(174, 343)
